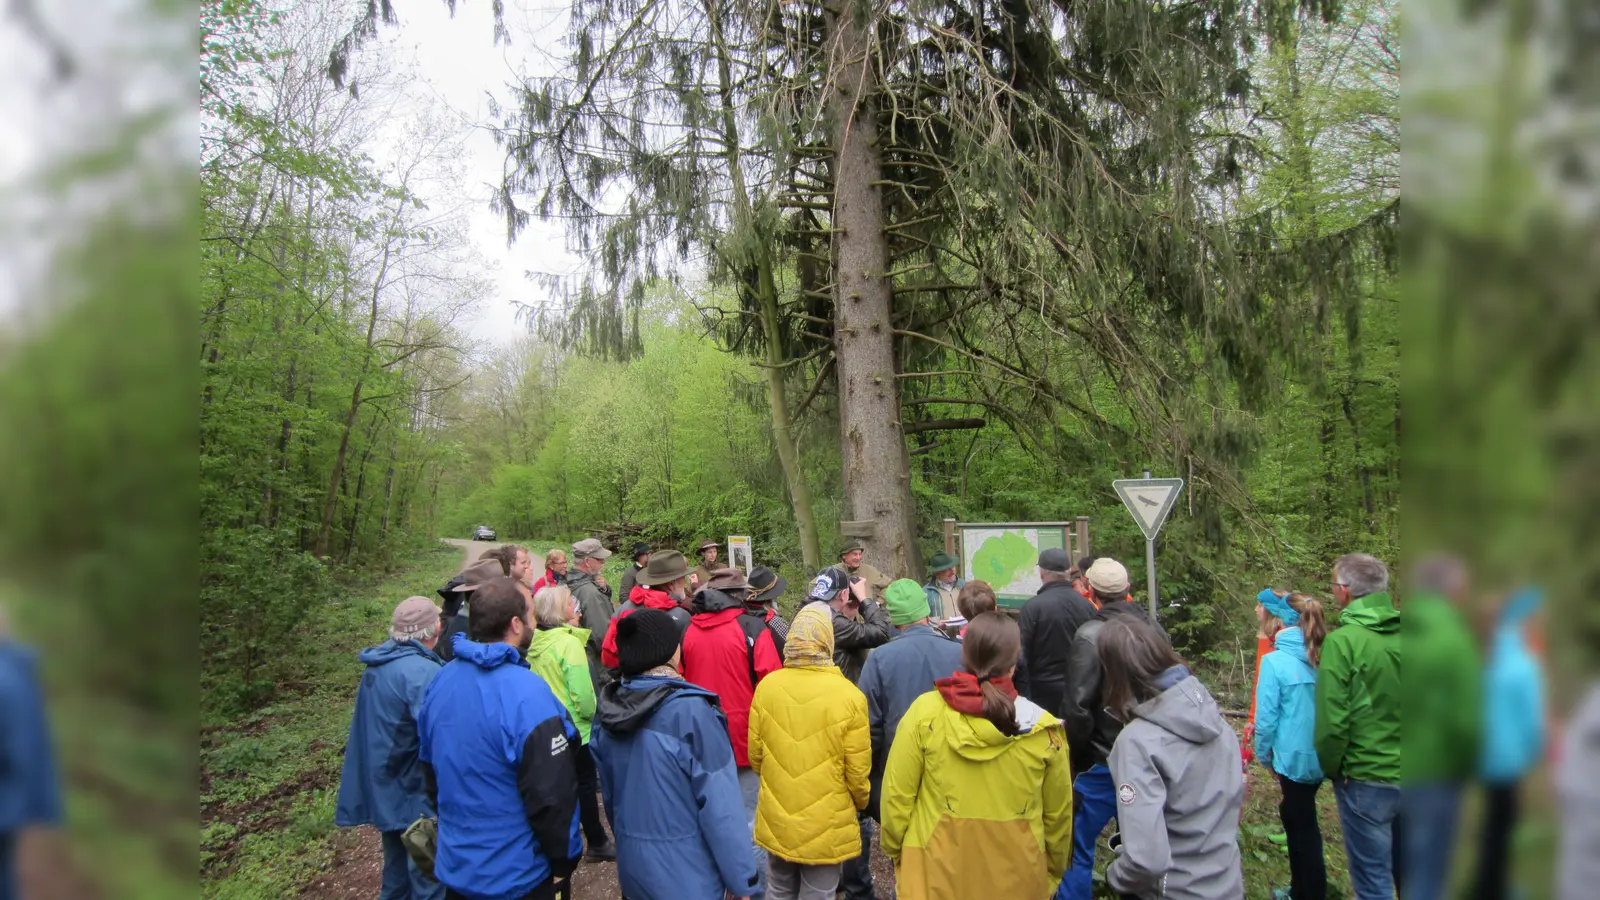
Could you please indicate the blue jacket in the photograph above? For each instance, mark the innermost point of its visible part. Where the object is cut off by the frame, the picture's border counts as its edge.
(383, 785)
(1513, 694)
(1286, 710)
(669, 780)
(500, 747)
(895, 675)
(29, 790)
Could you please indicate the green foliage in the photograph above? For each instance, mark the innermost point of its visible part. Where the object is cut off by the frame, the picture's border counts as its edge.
(269, 777)
(327, 374)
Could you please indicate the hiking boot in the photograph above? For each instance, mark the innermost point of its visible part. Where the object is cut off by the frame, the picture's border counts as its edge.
(606, 852)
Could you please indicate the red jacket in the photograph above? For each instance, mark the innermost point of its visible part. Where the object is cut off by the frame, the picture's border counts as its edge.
(717, 657)
(548, 579)
(641, 597)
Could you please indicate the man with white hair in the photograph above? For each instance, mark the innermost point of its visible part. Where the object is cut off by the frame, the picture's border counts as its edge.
(383, 785)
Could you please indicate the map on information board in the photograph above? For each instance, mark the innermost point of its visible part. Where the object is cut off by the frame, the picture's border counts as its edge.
(1007, 556)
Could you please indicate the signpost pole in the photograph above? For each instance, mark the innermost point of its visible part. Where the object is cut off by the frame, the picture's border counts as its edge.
(1150, 573)
(1150, 568)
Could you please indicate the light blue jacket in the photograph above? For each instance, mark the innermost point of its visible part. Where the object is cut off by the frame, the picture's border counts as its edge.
(1513, 694)
(1286, 710)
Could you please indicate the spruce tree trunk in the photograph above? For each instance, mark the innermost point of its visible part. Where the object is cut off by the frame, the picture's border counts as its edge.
(877, 471)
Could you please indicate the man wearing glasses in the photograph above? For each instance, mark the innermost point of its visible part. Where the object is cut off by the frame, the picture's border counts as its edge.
(1358, 722)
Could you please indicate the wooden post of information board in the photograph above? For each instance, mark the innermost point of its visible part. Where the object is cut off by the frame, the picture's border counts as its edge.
(1082, 531)
(950, 536)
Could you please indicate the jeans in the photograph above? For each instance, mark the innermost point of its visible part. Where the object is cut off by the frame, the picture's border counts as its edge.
(794, 881)
(1369, 813)
(1308, 872)
(1432, 810)
(856, 876)
(1094, 803)
(750, 788)
(401, 878)
(1494, 854)
(594, 833)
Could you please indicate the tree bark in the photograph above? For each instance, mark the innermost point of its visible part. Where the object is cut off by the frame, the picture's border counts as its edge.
(877, 481)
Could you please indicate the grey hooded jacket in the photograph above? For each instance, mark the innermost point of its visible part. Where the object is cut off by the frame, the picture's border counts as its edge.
(1179, 789)
(594, 605)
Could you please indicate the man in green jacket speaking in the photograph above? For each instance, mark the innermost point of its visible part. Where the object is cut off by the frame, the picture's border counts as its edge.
(1358, 721)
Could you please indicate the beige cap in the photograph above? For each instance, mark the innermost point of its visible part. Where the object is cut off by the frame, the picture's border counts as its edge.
(1107, 576)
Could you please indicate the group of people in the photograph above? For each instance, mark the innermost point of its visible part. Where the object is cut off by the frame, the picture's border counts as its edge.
(735, 753)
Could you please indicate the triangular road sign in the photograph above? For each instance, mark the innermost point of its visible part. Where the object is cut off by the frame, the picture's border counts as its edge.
(1150, 500)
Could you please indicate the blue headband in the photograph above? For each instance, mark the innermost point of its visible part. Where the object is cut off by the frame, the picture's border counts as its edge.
(1278, 606)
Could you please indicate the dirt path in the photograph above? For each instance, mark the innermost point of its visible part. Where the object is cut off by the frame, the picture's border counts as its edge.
(470, 550)
(45, 869)
(358, 868)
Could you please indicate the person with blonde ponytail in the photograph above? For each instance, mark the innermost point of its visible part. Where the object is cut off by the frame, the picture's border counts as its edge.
(1286, 723)
(977, 792)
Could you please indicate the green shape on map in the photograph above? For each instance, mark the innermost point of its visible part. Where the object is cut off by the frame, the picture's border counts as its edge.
(1002, 559)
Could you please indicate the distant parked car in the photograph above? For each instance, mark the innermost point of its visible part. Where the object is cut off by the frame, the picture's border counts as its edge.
(483, 533)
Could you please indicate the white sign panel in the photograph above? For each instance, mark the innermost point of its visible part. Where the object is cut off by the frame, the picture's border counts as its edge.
(1149, 500)
(739, 552)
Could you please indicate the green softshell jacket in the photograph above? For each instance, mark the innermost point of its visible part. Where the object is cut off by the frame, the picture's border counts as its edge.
(1358, 694)
(557, 655)
(1443, 707)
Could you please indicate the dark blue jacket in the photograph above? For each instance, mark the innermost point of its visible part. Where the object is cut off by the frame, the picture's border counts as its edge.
(29, 791)
(500, 748)
(895, 675)
(668, 777)
(383, 785)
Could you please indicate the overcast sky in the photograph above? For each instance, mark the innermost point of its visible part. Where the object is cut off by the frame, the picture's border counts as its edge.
(459, 67)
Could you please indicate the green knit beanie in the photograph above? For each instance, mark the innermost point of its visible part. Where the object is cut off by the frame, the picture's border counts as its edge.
(907, 602)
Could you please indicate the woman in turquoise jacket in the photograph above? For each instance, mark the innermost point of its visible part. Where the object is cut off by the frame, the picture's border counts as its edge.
(1286, 718)
(1513, 734)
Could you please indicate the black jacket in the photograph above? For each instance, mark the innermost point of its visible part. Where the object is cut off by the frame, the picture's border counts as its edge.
(1090, 729)
(1050, 620)
(853, 639)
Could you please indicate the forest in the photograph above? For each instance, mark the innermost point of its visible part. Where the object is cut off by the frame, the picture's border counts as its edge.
(969, 260)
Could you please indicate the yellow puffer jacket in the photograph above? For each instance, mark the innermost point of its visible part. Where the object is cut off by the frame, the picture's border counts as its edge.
(809, 742)
(969, 812)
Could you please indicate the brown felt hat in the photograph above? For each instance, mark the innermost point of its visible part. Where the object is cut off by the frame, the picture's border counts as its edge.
(708, 544)
(728, 580)
(486, 569)
(663, 567)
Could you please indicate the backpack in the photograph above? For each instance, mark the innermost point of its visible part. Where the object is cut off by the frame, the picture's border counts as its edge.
(753, 622)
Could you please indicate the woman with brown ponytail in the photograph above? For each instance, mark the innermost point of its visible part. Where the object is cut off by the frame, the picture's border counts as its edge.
(977, 794)
(1286, 722)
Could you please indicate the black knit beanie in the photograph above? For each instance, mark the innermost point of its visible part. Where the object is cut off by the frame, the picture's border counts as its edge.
(646, 639)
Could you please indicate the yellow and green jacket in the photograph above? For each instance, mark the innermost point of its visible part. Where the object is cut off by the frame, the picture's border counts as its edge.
(558, 656)
(970, 812)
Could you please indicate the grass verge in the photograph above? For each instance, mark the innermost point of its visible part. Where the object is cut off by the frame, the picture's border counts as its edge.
(269, 779)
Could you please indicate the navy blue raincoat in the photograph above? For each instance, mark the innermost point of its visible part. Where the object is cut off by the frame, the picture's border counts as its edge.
(383, 785)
